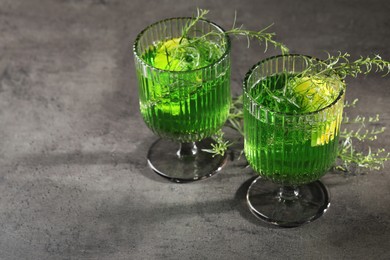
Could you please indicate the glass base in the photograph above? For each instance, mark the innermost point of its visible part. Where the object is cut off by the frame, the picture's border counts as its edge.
(308, 202)
(164, 159)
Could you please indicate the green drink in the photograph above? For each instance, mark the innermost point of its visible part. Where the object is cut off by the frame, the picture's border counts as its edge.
(186, 108)
(292, 117)
(183, 71)
(288, 141)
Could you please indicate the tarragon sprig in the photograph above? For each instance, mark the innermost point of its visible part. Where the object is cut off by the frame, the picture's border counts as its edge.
(329, 71)
(262, 36)
(359, 133)
(201, 14)
(220, 146)
(359, 130)
(349, 157)
(342, 66)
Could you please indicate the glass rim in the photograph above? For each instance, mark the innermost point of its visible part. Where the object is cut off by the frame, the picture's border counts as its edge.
(222, 57)
(252, 100)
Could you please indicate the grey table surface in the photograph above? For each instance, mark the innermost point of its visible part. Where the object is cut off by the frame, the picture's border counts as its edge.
(74, 183)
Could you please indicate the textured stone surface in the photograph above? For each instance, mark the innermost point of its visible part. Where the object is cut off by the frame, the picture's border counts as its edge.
(74, 183)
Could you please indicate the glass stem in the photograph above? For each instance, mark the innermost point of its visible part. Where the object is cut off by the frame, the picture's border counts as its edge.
(187, 149)
(288, 193)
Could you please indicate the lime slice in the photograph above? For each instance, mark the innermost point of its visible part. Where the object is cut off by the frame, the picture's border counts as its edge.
(326, 133)
(314, 94)
(165, 56)
(179, 54)
(171, 108)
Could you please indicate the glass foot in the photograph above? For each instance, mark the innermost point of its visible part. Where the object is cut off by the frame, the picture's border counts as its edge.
(304, 204)
(166, 159)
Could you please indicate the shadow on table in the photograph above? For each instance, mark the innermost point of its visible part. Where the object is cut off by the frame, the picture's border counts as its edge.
(132, 159)
(135, 158)
(242, 206)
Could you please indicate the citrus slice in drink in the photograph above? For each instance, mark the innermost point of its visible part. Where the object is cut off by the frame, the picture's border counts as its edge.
(181, 54)
(172, 108)
(314, 94)
(165, 56)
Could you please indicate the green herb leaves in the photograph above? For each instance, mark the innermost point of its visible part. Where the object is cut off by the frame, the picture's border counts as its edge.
(342, 66)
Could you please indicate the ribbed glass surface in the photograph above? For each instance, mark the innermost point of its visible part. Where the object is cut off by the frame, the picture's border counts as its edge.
(187, 105)
(289, 149)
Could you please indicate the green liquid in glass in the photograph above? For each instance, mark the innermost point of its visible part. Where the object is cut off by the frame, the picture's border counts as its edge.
(185, 101)
(293, 145)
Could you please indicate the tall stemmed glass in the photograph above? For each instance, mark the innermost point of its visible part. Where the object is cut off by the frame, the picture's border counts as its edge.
(187, 101)
(291, 148)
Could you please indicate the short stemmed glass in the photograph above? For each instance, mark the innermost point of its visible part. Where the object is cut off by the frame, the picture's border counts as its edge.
(184, 108)
(290, 151)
